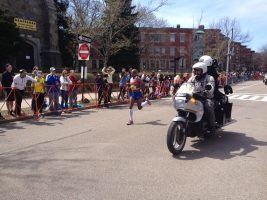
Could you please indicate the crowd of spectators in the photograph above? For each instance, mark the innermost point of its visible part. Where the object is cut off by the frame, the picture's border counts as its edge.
(155, 84)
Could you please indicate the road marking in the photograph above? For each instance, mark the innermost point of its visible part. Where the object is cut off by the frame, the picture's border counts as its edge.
(264, 99)
(234, 96)
(243, 97)
(249, 97)
(254, 98)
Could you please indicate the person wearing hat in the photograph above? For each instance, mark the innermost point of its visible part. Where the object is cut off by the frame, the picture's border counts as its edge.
(52, 81)
(19, 85)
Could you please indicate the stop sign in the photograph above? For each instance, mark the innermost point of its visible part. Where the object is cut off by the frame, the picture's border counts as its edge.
(84, 51)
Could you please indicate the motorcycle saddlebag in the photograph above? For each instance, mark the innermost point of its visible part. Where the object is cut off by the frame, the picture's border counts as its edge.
(228, 110)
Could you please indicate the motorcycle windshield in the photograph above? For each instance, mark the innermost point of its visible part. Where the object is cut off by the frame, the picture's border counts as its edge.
(186, 88)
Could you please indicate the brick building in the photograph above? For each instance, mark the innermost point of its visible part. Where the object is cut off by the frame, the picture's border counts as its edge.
(163, 48)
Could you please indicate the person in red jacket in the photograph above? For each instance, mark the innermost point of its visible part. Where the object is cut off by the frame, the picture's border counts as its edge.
(73, 89)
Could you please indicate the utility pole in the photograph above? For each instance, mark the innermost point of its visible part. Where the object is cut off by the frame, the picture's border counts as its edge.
(228, 56)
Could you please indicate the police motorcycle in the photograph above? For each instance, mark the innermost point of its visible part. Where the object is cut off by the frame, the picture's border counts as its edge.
(191, 121)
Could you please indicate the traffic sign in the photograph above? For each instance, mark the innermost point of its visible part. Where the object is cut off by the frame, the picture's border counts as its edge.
(84, 51)
(83, 38)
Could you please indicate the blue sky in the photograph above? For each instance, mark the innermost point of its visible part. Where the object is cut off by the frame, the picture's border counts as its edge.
(251, 14)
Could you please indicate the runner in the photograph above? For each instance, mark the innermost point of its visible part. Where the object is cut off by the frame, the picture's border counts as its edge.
(136, 94)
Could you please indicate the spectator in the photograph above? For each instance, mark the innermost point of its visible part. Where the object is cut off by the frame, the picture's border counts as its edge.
(19, 84)
(145, 78)
(124, 77)
(38, 93)
(109, 71)
(53, 83)
(64, 89)
(176, 83)
(1, 117)
(154, 83)
(35, 69)
(101, 88)
(7, 79)
(73, 89)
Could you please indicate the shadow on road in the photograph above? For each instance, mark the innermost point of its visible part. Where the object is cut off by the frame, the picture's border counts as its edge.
(154, 123)
(223, 146)
(20, 151)
(49, 120)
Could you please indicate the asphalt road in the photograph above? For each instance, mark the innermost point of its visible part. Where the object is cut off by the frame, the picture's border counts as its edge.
(92, 154)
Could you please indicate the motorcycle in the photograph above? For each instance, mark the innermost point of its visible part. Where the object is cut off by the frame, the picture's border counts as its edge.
(191, 120)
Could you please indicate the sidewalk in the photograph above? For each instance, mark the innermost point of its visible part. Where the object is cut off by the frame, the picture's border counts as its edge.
(26, 102)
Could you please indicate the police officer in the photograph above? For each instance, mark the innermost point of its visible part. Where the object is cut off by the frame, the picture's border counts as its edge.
(201, 79)
(211, 70)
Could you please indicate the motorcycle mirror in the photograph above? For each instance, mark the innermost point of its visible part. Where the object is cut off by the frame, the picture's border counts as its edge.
(208, 87)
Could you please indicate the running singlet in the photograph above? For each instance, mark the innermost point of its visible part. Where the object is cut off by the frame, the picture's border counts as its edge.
(135, 87)
(135, 84)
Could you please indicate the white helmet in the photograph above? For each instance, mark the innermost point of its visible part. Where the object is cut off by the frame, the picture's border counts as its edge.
(200, 65)
(206, 59)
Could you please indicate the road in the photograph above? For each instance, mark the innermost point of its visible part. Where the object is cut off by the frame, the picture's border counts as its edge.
(92, 154)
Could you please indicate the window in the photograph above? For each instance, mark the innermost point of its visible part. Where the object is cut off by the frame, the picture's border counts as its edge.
(172, 63)
(156, 51)
(155, 37)
(152, 64)
(182, 51)
(163, 37)
(163, 50)
(182, 37)
(172, 37)
(172, 51)
(162, 64)
(142, 37)
(182, 63)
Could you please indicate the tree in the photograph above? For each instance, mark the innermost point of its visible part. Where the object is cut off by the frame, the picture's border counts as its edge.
(106, 22)
(127, 55)
(226, 28)
(10, 39)
(66, 40)
(263, 58)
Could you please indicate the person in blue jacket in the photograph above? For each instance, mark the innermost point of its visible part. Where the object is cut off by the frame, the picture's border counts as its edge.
(53, 89)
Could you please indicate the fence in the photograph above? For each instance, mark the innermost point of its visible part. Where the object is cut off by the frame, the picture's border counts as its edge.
(30, 104)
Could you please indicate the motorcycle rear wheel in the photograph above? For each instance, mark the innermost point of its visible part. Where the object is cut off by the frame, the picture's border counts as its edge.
(176, 138)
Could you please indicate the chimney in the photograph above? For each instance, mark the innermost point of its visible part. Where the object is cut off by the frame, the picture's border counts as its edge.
(178, 26)
(201, 27)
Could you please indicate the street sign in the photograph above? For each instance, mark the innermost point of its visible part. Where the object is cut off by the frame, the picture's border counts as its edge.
(84, 51)
(83, 38)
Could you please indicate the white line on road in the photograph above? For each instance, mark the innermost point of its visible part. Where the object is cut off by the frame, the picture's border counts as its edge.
(264, 99)
(234, 96)
(254, 98)
(243, 97)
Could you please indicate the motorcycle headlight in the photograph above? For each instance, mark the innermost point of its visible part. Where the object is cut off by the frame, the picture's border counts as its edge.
(179, 103)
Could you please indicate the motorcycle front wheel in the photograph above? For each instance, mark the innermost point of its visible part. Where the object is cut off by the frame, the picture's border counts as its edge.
(176, 138)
